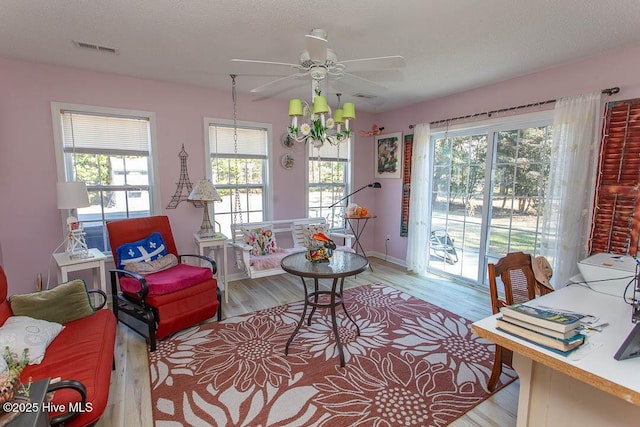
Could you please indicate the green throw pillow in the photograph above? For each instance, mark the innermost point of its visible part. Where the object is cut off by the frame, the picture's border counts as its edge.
(64, 303)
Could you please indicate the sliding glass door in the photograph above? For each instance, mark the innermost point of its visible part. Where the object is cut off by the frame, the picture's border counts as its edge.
(487, 194)
(459, 171)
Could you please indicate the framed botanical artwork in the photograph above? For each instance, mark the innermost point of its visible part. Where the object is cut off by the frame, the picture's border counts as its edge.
(388, 155)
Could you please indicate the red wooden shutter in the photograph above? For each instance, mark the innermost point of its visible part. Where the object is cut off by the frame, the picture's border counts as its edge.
(616, 217)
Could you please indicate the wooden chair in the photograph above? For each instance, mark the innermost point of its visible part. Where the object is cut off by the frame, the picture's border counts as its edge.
(166, 301)
(520, 285)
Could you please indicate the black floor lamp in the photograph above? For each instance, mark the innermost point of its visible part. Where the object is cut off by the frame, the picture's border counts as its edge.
(373, 185)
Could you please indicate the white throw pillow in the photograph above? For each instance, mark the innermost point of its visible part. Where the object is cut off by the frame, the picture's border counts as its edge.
(20, 332)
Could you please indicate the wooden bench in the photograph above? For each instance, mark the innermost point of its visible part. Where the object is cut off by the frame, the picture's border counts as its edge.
(289, 235)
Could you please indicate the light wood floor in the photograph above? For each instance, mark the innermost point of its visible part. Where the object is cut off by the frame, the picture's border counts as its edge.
(130, 396)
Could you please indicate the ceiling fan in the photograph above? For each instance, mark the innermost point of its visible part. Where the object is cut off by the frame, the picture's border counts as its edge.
(321, 63)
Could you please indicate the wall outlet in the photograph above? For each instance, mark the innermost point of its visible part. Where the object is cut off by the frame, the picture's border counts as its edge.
(388, 237)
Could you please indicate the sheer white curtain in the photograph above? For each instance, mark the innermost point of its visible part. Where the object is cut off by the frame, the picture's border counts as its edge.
(571, 187)
(419, 201)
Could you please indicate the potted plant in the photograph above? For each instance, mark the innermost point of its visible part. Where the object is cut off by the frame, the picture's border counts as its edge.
(10, 378)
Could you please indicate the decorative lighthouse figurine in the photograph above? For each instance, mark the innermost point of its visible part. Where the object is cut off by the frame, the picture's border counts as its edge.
(76, 245)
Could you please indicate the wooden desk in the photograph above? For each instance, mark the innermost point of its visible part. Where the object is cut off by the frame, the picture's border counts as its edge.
(588, 387)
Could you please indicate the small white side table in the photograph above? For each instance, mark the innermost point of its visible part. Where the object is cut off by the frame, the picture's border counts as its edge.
(95, 262)
(215, 243)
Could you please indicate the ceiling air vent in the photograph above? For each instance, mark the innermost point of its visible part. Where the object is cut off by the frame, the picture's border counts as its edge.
(97, 48)
(364, 96)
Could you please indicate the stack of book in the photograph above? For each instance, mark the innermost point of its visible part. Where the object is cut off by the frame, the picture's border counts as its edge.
(555, 330)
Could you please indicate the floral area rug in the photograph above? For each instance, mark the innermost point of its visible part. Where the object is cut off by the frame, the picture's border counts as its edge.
(414, 364)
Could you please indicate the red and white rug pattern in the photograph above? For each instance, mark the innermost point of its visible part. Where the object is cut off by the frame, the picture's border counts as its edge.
(414, 364)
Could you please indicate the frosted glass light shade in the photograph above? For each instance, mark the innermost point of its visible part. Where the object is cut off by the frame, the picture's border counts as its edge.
(295, 107)
(72, 195)
(349, 110)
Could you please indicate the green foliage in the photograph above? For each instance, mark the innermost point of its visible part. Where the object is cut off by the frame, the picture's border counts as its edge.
(15, 367)
(520, 172)
(93, 168)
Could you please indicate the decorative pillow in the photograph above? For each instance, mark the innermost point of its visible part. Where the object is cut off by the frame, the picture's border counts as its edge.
(20, 332)
(262, 240)
(309, 230)
(145, 250)
(63, 304)
(144, 268)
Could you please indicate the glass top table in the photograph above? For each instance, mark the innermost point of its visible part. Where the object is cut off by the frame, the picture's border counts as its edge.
(340, 265)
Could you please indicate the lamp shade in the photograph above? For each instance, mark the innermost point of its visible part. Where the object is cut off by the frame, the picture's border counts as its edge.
(295, 107)
(320, 105)
(72, 195)
(204, 191)
(338, 116)
(349, 110)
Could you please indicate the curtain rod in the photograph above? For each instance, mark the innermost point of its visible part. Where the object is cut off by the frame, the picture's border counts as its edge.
(609, 91)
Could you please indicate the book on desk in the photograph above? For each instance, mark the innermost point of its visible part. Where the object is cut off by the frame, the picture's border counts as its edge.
(553, 329)
(559, 321)
(563, 345)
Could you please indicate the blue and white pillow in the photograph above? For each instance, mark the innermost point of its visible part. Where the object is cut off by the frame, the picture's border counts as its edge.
(145, 250)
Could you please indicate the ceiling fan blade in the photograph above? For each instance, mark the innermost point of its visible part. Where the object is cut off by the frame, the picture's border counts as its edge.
(352, 84)
(317, 48)
(277, 83)
(253, 61)
(281, 89)
(371, 64)
(381, 76)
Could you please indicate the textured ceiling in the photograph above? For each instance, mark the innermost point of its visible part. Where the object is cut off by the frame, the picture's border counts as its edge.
(448, 45)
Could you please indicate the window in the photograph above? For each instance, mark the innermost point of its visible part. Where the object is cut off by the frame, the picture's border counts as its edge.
(110, 150)
(328, 181)
(239, 170)
(488, 191)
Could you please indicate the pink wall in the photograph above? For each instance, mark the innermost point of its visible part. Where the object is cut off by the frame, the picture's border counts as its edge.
(620, 68)
(30, 223)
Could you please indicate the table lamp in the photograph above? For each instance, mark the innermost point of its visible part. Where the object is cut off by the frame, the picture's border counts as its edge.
(73, 195)
(205, 192)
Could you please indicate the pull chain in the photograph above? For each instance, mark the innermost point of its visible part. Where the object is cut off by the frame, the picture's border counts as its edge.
(237, 210)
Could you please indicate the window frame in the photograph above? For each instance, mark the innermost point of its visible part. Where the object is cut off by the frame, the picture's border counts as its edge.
(61, 166)
(267, 201)
(348, 174)
(491, 128)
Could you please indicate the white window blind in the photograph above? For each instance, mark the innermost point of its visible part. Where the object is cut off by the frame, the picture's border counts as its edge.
(330, 152)
(251, 142)
(94, 132)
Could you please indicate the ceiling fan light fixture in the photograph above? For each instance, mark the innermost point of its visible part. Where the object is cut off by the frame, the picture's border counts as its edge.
(349, 111)
(318, 73)
(319, 127)
(320, 105)
(295, 107)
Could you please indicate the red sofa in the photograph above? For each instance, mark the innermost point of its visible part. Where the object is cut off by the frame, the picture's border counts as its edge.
(82, 352)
